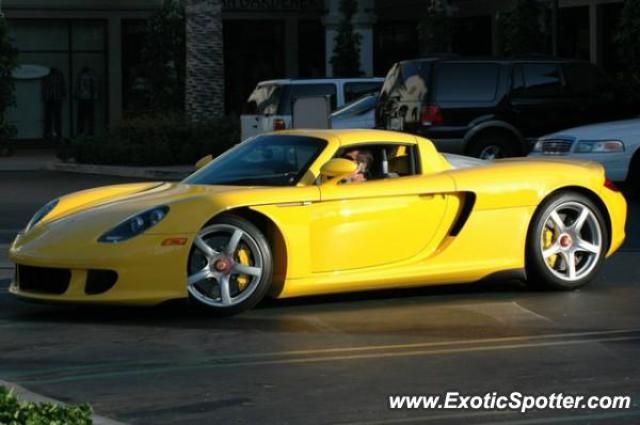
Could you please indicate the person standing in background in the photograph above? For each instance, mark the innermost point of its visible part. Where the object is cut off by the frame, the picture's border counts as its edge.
(53, 96)
(87, 95)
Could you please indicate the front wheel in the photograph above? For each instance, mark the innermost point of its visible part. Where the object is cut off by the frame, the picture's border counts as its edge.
(230, 266)
(567, 242)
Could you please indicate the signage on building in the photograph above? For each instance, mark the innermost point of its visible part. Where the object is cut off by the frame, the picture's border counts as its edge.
(272, 5)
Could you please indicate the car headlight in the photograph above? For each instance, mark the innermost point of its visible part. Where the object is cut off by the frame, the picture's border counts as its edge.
(600, 146)
(41, 213)
(135, 225)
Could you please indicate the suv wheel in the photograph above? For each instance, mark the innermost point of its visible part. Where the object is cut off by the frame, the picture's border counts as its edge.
(493, 146)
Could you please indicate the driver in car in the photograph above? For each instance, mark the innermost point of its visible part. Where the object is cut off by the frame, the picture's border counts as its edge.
(363, 159)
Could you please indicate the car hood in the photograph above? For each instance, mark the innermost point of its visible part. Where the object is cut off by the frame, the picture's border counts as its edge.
(608, 130)
(95, 211)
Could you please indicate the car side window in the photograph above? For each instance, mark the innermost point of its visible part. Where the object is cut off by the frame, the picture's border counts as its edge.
(381, 161)
(467, 82)
(538, 80)
(295, 91)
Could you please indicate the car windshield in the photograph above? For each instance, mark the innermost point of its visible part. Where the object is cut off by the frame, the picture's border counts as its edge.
(270, 160)
(359, 106)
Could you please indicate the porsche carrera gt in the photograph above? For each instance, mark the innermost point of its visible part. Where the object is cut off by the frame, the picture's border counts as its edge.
(307, 212)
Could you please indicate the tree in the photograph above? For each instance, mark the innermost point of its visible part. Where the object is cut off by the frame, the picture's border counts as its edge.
(626, 38)
(205, 60)
(8, 61)
(345, 61)
(163, 56)
(434, 29)
(521, 29)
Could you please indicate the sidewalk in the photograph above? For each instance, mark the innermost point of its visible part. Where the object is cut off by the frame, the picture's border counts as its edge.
(34, 160)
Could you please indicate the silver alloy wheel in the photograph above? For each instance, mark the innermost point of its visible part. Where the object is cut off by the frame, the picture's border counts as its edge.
(575, 243)
(491, 152)
(213, 284)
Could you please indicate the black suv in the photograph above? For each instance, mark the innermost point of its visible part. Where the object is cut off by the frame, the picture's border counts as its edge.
(492, 108)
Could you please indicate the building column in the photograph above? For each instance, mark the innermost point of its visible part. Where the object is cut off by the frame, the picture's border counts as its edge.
(114, 76)
(291, 48)
(595, 34)
(363, 22)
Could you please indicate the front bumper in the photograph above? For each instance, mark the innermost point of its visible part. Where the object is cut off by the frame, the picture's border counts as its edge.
(147, 273)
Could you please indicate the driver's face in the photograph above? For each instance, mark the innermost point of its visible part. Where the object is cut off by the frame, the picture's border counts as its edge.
(352, 154)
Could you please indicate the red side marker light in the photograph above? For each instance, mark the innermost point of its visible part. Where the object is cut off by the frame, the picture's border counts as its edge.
(174, 242)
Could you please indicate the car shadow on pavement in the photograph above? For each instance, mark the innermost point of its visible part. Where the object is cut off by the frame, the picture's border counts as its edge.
(271, 313)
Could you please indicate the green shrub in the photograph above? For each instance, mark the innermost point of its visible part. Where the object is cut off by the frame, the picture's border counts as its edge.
(155, 140)
(15, 412)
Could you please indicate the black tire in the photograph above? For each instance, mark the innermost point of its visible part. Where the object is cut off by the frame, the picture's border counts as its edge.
(539, 273)
(494, 145)
(632, 184)
(256, 239)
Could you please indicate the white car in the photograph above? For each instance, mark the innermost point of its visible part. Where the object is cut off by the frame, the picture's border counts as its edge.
(360, 113)
(269, 106)
(616, 145)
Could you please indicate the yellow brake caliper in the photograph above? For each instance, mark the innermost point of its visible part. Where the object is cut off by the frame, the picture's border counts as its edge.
(244, 258)
(547, 241)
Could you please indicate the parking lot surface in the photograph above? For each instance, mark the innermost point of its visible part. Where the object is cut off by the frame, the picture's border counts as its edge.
(326, 359)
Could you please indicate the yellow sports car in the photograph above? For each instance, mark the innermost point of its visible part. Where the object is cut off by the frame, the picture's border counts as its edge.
(308, 212)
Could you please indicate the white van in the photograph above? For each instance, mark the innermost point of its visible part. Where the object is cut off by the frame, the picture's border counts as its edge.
(269, 106)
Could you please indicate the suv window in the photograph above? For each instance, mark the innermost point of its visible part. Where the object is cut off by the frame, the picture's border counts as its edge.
(538, 80)
(467, 82)
(585, 79)
(294, 91)
(353, 91)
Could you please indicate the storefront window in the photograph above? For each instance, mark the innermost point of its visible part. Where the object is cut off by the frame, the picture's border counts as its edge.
(136, 85)
(61, 83)
(394, 41)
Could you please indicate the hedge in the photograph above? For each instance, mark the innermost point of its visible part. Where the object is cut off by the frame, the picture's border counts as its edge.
(155, 140)
(15, 412)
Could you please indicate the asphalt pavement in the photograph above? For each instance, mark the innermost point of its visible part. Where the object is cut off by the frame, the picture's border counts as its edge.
(327, 359)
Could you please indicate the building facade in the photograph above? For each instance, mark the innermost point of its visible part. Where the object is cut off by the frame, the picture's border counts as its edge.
(95, 47)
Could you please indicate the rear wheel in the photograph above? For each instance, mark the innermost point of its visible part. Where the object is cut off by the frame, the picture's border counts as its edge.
(230, 266)
(493, 145)
(567, 242)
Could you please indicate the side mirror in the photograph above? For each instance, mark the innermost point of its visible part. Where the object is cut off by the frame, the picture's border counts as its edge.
(203, 161)
(338, 167)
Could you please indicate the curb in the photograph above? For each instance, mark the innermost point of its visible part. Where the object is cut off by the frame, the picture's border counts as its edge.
(119, 171)
(24, 394)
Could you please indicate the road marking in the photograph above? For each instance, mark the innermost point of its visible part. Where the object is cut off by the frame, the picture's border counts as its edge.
(398, 351)
(321, 351)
